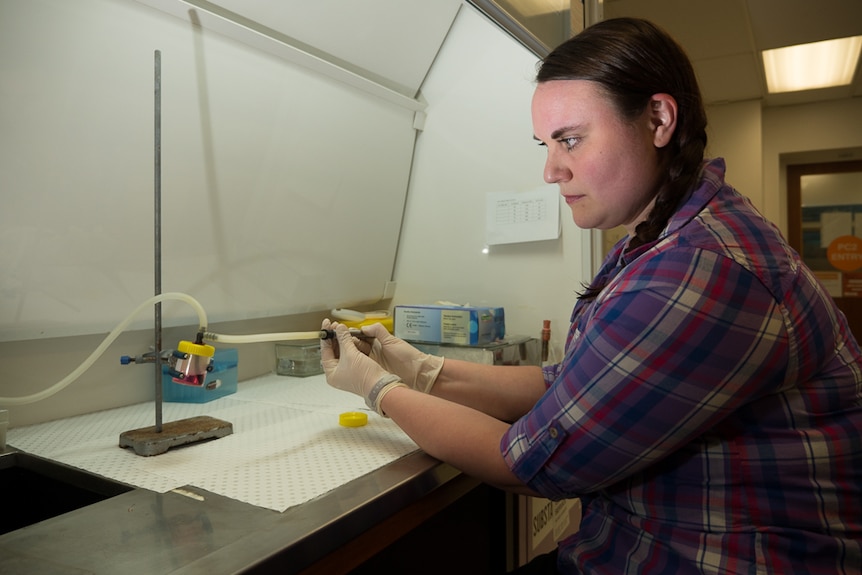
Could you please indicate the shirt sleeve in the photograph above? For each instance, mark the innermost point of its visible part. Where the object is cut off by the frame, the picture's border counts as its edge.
(678, 341)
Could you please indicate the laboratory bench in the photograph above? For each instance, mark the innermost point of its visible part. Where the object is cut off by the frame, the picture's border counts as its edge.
(410, 514)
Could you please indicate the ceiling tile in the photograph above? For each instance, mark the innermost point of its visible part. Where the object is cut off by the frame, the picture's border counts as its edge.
(777, 23)
(724, 39)
(705, 28)
(729, 79)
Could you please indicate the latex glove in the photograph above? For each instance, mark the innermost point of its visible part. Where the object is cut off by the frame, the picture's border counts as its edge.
(348, 369)
(418, 370)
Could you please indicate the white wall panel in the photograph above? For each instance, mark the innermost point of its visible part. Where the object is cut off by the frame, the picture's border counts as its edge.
(392, 41)
(265, 166)
(478, 138)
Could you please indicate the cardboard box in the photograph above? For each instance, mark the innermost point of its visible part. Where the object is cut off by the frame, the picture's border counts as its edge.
(541, 524)
(457, 325)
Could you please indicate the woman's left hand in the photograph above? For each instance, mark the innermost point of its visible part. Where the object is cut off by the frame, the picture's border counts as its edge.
(348, 369)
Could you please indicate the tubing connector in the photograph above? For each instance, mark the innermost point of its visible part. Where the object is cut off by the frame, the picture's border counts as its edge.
(354, 331)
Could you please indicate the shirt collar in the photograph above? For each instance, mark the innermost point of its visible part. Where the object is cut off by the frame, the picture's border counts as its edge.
(710, 182)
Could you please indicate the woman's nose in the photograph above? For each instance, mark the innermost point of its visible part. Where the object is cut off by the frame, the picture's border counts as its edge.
(555, 171)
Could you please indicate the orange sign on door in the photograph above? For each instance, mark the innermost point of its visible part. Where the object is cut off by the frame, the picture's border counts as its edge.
(845, 253)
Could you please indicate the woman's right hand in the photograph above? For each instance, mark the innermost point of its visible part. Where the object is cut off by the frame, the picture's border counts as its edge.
(418, 370)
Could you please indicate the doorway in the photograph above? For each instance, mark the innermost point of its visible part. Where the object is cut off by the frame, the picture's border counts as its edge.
(824, 213)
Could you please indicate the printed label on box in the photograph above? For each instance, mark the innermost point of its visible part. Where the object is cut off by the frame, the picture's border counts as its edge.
(455, 326)
(449, 324)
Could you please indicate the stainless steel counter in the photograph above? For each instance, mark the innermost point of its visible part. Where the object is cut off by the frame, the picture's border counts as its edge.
(190, 530)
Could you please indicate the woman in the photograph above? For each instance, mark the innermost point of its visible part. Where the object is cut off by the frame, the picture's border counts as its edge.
(708, 410)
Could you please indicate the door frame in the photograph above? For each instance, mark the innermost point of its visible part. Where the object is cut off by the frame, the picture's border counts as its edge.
(794, 192)
(850, 306)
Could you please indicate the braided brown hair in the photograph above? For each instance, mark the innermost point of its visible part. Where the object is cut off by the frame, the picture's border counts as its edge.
(633, 59)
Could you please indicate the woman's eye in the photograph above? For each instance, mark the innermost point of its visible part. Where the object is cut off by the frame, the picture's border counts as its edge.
(569, 142)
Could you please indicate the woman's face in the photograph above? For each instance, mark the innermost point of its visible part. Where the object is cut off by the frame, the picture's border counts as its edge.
(607, 167)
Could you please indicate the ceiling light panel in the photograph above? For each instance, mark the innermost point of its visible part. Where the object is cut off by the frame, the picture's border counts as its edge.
(812, 66)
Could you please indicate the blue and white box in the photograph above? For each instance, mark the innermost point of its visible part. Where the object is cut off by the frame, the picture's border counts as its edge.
(449, 324)
(219, 382)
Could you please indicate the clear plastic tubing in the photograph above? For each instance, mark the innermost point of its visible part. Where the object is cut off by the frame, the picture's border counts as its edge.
(202, 318)
(202, 321)
(261, 337)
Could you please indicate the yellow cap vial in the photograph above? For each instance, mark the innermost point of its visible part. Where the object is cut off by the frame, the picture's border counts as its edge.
(352, 419)
(202, 350)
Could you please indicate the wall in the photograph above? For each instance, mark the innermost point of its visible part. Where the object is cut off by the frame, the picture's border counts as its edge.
(260, 158)
(820, 132)
(734, 132)
(477, 138)
(269, 170)
(759, 144)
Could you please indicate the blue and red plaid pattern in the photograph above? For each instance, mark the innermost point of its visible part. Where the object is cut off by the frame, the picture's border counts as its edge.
(708, 411)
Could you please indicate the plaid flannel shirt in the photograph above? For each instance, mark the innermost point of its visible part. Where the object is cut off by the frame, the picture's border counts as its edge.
(708, 411)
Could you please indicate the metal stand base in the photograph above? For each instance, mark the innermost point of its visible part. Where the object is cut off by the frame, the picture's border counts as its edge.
(148, 441)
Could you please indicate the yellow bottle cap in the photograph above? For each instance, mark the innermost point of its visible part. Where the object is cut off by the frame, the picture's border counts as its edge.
(353, 419)
(195, 348)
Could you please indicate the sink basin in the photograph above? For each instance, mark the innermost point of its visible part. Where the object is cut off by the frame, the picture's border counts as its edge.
(47, 488)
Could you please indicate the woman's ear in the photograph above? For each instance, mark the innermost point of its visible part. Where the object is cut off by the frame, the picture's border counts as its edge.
(663, 110)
